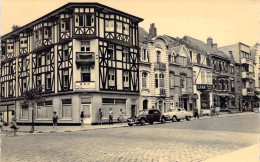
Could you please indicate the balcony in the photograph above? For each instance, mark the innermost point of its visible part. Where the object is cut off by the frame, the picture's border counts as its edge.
(162, 92)
(247, 75)
(223, 74)
(248, 92)
(85, 86)
(42, 44)
(159, 66)
(246, 61)
(85, 58)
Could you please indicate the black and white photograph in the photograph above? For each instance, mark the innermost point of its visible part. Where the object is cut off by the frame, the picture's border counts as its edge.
(130, 81)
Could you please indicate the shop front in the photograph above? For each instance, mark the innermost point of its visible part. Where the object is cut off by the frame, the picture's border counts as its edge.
(6, 109)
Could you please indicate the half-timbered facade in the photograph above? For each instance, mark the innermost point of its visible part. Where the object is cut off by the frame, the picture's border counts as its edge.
(84, 54)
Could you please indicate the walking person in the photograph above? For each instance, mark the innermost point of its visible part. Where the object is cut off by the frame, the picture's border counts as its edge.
(217, 111)
(212, 111)
(82, 118)
(14, 126)
(196, 113)
(55, 120)
(121, 116)
(111, 114)
(100, 113)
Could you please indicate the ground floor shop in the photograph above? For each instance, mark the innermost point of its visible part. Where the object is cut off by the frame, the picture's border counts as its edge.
(69, 107)
(203, 97)
(248, 103)
(149, 102)
(6, 109)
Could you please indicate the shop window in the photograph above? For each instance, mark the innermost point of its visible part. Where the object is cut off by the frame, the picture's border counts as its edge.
(44, 110)
(66, 108)
(24, 111)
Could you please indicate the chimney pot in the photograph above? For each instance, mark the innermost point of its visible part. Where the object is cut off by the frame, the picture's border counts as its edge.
(210, 41)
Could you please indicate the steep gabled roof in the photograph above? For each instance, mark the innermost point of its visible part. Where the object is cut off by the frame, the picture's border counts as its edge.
(198, 44)
(143, 35)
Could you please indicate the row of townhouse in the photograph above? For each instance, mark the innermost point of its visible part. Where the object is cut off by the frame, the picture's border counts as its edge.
(90, 56)
(189, 73)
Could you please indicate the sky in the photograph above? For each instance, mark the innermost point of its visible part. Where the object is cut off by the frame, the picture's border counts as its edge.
(226, 21)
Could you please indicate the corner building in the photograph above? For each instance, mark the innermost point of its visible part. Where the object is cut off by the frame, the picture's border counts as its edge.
(85, 55)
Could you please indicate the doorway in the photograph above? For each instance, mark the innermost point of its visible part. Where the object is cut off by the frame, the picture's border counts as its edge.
(145, 104)
(87, 112)
(133, 111)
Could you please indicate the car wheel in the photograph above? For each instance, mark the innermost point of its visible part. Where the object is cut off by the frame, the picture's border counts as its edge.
(130, 124)
(162, 120)
(142, 122)
(174, 119)
(151, 123)
(188, 118)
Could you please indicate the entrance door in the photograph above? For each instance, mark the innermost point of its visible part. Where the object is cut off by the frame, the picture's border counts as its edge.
(185, 104)
(145, 102)
(87, 112)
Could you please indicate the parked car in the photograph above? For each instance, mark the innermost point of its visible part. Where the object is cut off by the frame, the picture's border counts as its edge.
(147, 116)
(178, 114)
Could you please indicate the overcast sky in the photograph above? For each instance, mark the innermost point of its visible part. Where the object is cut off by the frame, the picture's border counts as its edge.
(226, 21)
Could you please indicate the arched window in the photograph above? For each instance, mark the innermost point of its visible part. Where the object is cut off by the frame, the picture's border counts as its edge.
(158, 56)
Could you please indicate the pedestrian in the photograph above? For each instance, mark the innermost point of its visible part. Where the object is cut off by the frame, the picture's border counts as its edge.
(100, 113)
(14, 126)
(217, 111)
(82, 118)
(111, 114)
(196, 113)
(121, 116)
(55, 120)
(212, 111)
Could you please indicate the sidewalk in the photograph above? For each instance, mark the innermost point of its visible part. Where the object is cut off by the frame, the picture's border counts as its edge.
(227, 115)
(250, 153)
(50, 129)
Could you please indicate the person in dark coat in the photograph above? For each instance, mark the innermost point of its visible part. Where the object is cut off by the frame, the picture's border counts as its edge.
(196, 113)
(82, 118)
(55, 120)
(111, 115)
(100, 113)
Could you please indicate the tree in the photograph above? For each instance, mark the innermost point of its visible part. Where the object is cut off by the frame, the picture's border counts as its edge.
(31, 97)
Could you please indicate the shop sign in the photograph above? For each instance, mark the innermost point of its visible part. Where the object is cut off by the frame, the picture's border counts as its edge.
(204, 87)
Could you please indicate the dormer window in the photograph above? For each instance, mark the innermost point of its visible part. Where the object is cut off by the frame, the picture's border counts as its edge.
(171, 57)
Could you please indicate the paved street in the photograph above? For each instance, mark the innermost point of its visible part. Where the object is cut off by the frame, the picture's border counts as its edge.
(195, 140)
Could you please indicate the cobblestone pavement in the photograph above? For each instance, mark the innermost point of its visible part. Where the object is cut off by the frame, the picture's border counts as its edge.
(179, 141)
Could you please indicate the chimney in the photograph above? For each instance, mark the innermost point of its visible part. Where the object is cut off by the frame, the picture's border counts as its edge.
(210, 41)
(215, 46)
(152, 31)
(15, 27)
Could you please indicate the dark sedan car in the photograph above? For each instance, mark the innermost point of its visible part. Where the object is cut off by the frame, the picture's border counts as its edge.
(147, 116)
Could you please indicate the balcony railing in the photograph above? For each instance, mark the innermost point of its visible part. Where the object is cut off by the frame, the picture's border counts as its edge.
(162, 92)
(247, 75)
(247, 91)
(85, 86)
(85, 58)
(159, 66)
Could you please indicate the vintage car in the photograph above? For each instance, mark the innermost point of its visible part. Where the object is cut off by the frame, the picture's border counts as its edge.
(147, 116)
(178, 114)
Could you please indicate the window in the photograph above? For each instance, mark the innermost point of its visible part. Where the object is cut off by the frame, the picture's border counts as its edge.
(144, 79)
(89, 20)
(2, 89)
(125, 54)
(158, 56)
(209, 79)
(65, 53)
(65, 78)
(44, 110)
(85, 46)
(238, 71)
(48, 58)
(126, 78)
(85, 74)
(39, 60)
(24, 85)
(11, 88)
(110, 51)
(23, 42)
(38, 80)
(194, 77)
(156, 81)
(24, 61)
(48, 81)
(231, 69)
(198, 58)
(161, 77)
(171, 80)
(238, 85)
(232, 85)
(233, 103)
(119, 27)
(66, 108)
(144, 54)
(183, 81)
(47, 32)
(126, 29)
(109, 24)
(24, 111)
(111, 77)
(80, 20)
(203, 77)
(65, 25)
(171, 58)
(214, 84)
